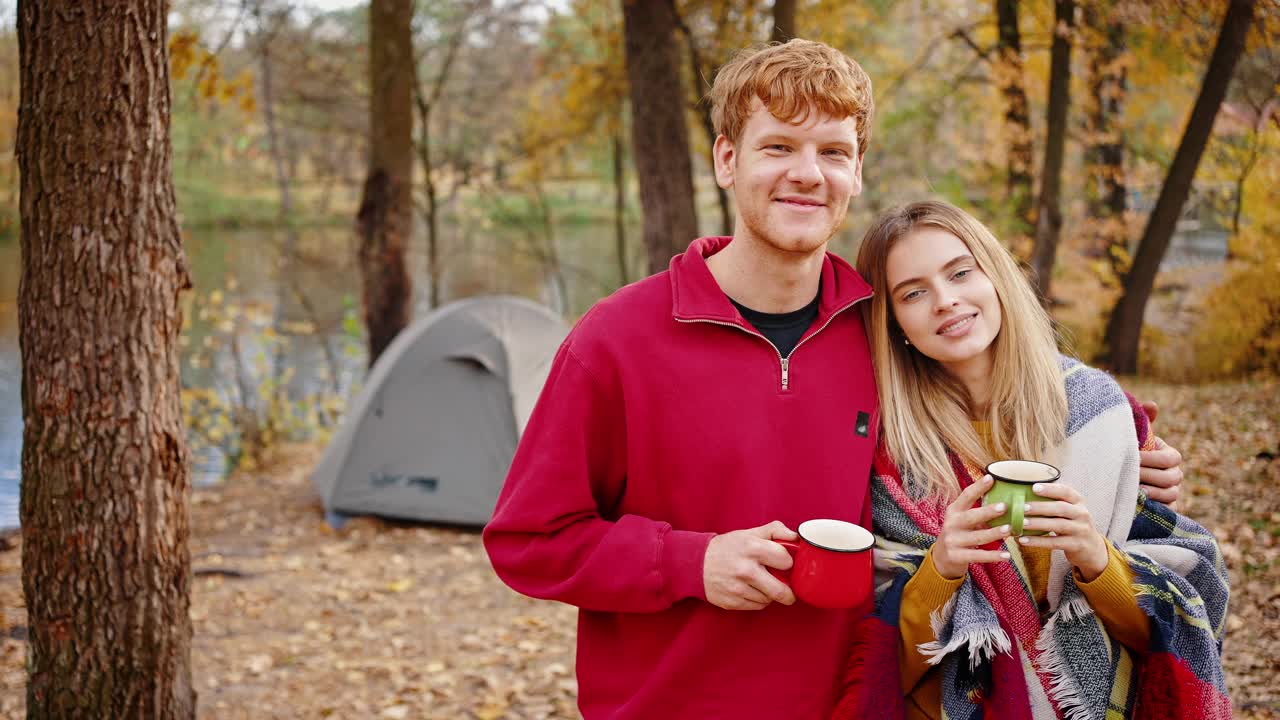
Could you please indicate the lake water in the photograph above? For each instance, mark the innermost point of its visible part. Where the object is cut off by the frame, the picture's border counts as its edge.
(10, 385)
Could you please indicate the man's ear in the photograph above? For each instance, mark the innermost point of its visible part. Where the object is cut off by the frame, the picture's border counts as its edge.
(726, 156)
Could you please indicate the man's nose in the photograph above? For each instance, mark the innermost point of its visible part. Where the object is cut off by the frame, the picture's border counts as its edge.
(804, 169)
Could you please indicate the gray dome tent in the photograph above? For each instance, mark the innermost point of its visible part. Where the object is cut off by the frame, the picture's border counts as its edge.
(431, 435)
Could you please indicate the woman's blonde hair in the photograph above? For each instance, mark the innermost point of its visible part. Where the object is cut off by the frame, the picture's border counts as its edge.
(925, 412)
(792, 79)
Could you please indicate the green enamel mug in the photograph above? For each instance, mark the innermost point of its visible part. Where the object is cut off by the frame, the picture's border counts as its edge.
(1012, 486)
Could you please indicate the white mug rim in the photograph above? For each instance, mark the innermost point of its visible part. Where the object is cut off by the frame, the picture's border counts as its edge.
(995, 473)
(865, 535)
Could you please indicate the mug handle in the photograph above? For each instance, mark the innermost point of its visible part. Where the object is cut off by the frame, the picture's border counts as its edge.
(792, 547)
(1016, 515)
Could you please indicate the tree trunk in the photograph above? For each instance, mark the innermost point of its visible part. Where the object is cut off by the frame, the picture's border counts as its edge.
(106, 569)
(1237, 199)
(1104, 153)
(433, 204)
(1049, 206)
(620, 204)
(1125, 326)
(385, 220)
(784, 21)
(1017, 116)
(426, 100)
(707, 76)
(284, 172)
(660, 138)
(275, 145)
(709, 128)
(550, 252)
(1251, 161)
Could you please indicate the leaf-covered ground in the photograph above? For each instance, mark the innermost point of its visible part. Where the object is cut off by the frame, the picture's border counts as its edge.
(381, 620)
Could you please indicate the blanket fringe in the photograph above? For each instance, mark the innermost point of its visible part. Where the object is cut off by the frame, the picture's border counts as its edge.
(1074, 609)
(984, 642)
(1063, 687)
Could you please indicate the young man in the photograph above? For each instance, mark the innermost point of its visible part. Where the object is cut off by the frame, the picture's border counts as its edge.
(694, 417)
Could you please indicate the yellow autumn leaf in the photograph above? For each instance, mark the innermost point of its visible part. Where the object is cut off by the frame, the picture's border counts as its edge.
(492, 710)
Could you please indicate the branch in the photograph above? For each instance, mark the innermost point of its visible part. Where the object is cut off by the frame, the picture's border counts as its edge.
(226, 39)
(425, 100)
(926, 57)
(963, 34)
(694, 57)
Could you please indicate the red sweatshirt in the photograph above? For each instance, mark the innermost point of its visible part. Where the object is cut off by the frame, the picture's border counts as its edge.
(667, 418)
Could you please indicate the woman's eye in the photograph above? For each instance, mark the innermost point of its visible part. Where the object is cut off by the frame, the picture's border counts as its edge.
(912, 295)
(960, 275)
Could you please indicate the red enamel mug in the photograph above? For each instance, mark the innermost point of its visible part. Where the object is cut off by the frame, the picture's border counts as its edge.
(832, 567)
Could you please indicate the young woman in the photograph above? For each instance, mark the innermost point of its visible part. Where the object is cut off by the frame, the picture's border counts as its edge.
(1118, 611)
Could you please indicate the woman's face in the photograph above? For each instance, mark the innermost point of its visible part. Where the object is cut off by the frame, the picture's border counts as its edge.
(944, 303)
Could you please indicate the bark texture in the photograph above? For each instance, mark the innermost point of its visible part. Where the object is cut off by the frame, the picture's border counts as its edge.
(1104, 150)
(1017, 115)
(106, 569)
(660, 135)
(620, 205)
(1049, 203)
(385, 220)
(784, 21)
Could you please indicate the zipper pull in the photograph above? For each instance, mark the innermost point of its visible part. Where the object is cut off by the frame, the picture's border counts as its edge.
(786, 373)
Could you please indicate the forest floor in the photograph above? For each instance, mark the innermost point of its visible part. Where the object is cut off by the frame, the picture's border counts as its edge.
(386, 620)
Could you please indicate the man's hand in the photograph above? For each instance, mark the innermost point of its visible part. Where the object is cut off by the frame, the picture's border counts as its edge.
(735, 571)
(1161, 471)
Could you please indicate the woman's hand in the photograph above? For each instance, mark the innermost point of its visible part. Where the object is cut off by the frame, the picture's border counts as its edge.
(964, 531)
(1067, 518)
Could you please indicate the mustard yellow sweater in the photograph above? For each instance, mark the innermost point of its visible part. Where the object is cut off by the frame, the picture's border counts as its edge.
(1110, 594)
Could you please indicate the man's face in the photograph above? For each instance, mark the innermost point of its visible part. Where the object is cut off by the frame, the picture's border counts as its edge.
(791, 183)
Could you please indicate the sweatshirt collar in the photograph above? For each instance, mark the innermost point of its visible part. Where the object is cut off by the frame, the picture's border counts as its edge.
(697, 296)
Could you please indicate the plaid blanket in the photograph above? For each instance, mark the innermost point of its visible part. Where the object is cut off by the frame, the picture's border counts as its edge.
(999, 657)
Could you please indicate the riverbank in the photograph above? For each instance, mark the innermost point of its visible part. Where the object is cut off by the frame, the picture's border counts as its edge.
(386, 620)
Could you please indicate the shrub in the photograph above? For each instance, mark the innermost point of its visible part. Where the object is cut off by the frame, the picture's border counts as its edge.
(246, 407)
(1239, 330)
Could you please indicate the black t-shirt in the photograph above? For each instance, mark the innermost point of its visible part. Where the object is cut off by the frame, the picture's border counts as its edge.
(784, 330)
